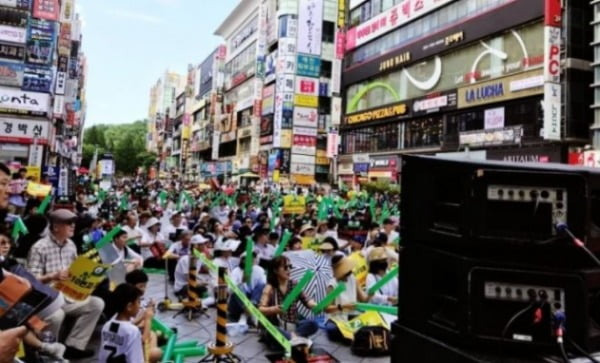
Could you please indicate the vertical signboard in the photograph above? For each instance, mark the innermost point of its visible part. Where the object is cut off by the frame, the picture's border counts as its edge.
(310, 26)
(552, 85)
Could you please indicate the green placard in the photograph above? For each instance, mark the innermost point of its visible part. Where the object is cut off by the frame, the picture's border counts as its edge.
(291, 297)
(276, 334)
(341, 287)
(393, 310)
(108, 237)
(384, 280)
(208, 263)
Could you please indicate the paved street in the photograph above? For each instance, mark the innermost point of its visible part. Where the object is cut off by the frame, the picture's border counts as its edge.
(247, 346)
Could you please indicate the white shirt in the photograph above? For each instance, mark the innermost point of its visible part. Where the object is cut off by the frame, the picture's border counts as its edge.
(264, 252)
(388, 290)
(259, 277)
(121, 338)
(392, 236)
(169, 228)
(178, 249)
(349, 296)
(182, 270)
(131, 255)
(149, 238)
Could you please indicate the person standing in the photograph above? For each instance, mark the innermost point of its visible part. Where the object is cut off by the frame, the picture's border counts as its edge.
(49, 260)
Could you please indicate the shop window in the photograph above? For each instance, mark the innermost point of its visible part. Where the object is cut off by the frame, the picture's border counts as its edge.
(423, 133)
(355, 17)
(375, 7)
(326, 67)
(328, 32)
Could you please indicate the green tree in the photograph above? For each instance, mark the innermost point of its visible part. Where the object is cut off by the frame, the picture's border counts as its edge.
(126, 142)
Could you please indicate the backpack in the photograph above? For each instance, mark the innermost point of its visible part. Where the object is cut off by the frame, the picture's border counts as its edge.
(371, 341)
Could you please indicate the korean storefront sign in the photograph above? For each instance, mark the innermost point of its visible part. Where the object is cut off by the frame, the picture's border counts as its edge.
(306, 117)
(308, 66)
(46, 9)
(11, 74)
(552, 85)
(16, 101)
(23, 131)
(310, 24)
(13, 34)
(381, 113)
(510, 16)
(307, 86)
(496, 90)
(404, 12)
(306, 101)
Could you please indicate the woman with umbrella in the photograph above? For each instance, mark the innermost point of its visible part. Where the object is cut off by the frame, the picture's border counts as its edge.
(279, 285)
(346, 302)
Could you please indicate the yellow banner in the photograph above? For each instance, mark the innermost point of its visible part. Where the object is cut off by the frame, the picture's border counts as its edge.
(35, 172)
(303, 179)
(361, 270)
(293, 204)
(85, 274)
(38, 190)
(306, 100)
(370, 318)
(310, 243)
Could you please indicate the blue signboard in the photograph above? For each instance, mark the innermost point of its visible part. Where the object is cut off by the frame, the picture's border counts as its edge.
(308, 66)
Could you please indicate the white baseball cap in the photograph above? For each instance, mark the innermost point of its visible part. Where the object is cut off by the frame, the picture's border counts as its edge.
(198, 239)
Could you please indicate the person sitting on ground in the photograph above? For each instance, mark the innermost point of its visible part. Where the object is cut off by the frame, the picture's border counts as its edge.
(49, 260)
(295, 244)
(176, 250)
(183, 267)
(153, 244)
(253, 289)
(346, 301)
(131, 258)
(378, 267)
(382, 240)
(134, 233)
(264, 250)
(121, 339)
(279, 285)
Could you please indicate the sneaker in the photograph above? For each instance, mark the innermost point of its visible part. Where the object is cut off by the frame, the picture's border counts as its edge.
(243, 319)
(74, 353)
(55, 350)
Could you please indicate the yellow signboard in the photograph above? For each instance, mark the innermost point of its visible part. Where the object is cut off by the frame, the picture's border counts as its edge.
(377, 114)
(286, 139)
(320, 160)
(293, 204)
(38, 190)
(306, 100)
(85, 274)
(303, 179)
(35, 172)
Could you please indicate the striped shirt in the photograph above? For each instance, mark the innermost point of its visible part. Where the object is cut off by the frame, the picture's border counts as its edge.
(47, 256)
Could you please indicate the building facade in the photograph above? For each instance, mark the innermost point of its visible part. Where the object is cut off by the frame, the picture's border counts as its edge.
(499, 79)
(281, 83)
(42, 86)
(161, 116)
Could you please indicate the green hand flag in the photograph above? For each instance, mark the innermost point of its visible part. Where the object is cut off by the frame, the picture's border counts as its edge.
(45, 203)
(19, 229)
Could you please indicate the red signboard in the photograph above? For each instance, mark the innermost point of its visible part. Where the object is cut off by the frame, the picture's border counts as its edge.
(553, 13)
(46, 9)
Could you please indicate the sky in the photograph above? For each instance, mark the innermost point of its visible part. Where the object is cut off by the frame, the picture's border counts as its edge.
(130, 43)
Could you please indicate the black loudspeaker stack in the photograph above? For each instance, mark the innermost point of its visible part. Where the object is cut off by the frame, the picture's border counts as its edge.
(498, 261)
